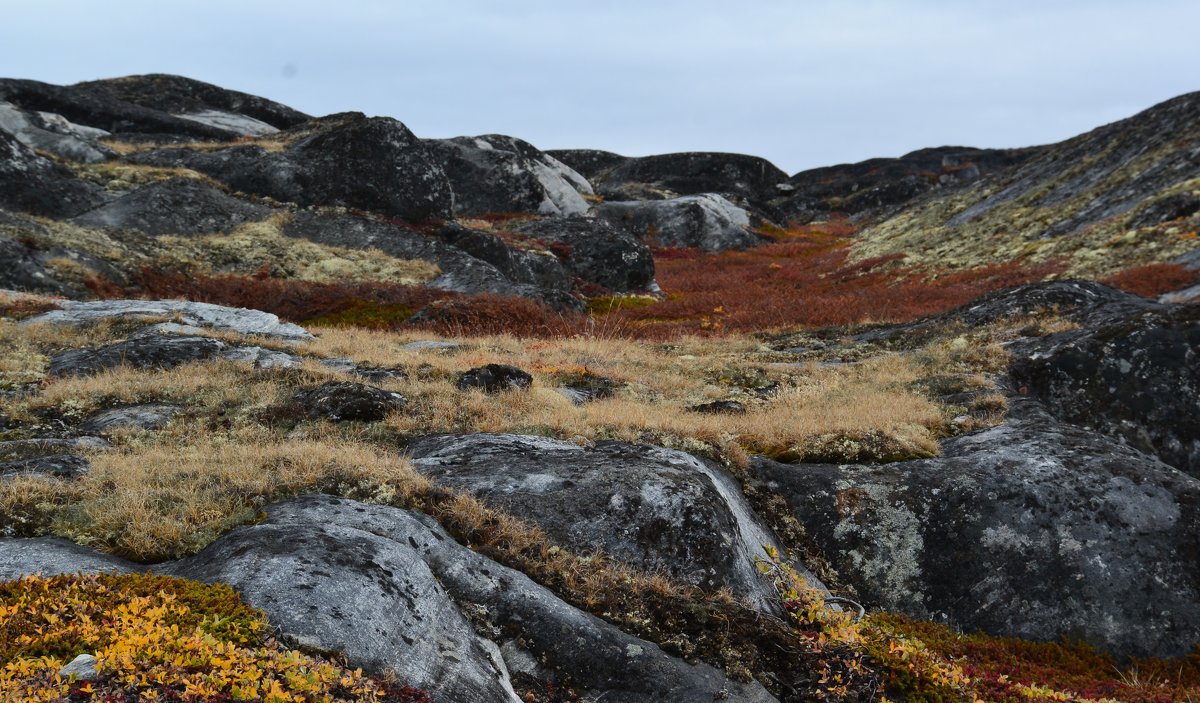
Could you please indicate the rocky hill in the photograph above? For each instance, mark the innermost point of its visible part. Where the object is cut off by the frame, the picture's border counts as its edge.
(286, 397)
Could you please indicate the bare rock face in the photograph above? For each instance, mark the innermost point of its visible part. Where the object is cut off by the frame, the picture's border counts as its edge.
(199, 101)
(33, 184)
(54, 134)
(1136, 378)
(596, 251)
(707, 221)
(147, 416)
(345, 160)
(159, 352)
(53, 555)
(494, 173)
(339, 588)
(176, 206)
(198, 315)
(1035, 529)
(657, 508)
(736, 176)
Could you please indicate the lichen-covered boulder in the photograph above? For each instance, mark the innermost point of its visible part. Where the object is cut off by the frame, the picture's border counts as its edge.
(493, 378)
(1035, 529)
(345, 160)
(707, 221)
(596, 251)
(657, 508)
(199, 315)
(748, 178)
(54, 134)
(157, 352)
(52, 556)
(146, 416)
(175, 206)
(1137, 378)
(34, 184)
(342, 401)
(494, 173)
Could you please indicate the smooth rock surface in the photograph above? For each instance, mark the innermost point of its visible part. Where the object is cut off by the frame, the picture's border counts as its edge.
(707, 221)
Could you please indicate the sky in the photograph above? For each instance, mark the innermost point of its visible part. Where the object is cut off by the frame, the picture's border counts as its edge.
(802, 83)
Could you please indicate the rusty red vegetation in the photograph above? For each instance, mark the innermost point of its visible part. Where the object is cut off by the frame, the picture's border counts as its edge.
(1152, 280)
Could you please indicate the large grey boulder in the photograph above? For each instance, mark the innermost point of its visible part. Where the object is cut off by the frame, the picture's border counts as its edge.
(54, 134)
(200, 315)
(1035, 529)
(596, 252)
(1136, 377)
(738, 176)
(175, 206)
(145, 416)
(656, 508)
(34, 184)
(337, 587)
(345, 160)
(707, 221)
(157, 352)
(498, 174)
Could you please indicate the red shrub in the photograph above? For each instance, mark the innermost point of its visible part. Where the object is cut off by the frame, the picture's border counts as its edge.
(1152, 280)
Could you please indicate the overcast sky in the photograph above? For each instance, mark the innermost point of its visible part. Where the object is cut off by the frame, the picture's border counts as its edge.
(801, 83)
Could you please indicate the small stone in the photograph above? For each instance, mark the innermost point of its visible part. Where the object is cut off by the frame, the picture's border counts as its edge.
(727, 407)
(494, 378)
(81, 668)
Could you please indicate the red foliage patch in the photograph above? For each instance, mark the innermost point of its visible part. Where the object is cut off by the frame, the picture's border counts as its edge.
(1152, 280)
(805, 279)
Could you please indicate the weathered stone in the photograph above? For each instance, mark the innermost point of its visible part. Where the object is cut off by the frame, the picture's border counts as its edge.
(205, 315)
(56, 136)
(81, 668)
(263, 358)
(720, 407)
(34, 184)
(160, 352)
(596, 251)
(660, 509)
(1137, 378)
(62, 466)
(693, 173)
(151, 416)
(52, 556)
(196, 100)
(588, 163)
(494, 378)
(345, 160)
(494, 173)
(341, 402)
(176, 206)
(1034, 529)
(707, 221)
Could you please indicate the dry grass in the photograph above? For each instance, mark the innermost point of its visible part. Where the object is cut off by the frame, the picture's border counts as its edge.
(813, 408)
(259, 247)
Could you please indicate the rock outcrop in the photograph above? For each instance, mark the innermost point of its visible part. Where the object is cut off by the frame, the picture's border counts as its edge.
(34, 184)
(176, 206)
(345, 160)
(707, 221)
(186, 313)
(1136, 378)
(1034, 529)
(659, 509)
(498, 174)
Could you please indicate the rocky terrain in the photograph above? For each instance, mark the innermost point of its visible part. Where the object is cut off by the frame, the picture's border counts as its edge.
(491, 423)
